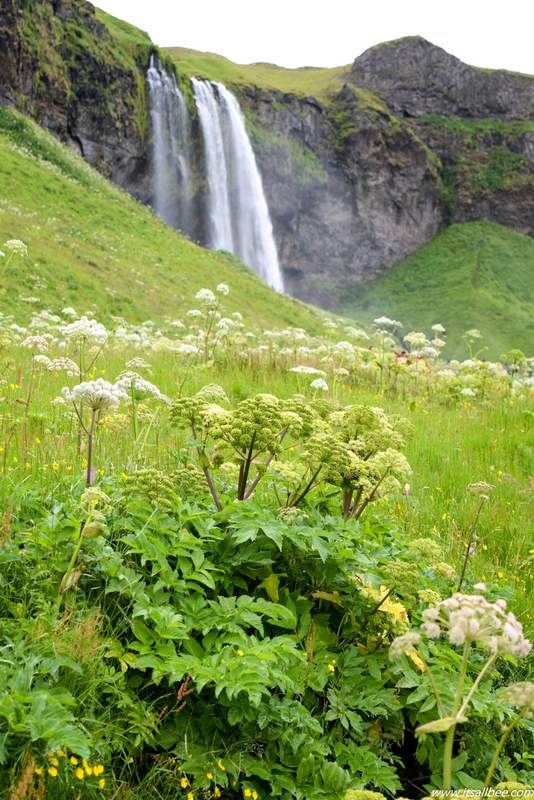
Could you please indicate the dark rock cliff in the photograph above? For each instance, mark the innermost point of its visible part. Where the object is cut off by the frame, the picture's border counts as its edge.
(410, 140)
(60, 64)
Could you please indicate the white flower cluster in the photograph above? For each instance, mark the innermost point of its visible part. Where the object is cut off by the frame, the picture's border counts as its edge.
(16, 247)
(472, 618)
(133, 383)
(206, 297)
(38, 344)
(98, 395)
(404, 645)
(85, 328)
(520, 695)
(66, 365)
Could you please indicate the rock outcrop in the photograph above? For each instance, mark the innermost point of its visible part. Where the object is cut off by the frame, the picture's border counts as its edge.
(60, 64)
(416, 78)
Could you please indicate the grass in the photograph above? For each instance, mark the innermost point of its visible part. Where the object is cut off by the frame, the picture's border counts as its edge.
(93, 247)
(473, 275)
(316, 81)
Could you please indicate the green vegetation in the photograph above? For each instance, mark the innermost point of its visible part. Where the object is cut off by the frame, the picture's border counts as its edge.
(223, 596)
(92, 246)
(474, 275)
(315, 81)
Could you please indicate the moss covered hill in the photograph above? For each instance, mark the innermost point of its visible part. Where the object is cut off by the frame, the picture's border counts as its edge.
(94, 248)
(473, 275)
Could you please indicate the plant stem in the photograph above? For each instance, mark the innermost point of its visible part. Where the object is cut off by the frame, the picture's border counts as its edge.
(449, 737)
(470, 543)
(502, 741)
(90, 433)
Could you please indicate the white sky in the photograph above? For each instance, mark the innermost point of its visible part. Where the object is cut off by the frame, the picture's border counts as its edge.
(292, 33)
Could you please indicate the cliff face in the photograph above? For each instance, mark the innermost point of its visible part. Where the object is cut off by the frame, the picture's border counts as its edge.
(60, 64)
(414, 140)
(351, 190)
(408, 140)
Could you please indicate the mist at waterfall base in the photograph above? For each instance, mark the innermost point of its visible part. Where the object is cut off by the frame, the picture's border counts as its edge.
(233, 213)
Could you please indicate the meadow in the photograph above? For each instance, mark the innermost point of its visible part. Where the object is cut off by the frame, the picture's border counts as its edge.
(249, 562)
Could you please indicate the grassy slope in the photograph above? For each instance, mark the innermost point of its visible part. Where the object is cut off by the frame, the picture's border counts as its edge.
(92, 246)
(474, 275)
(316, 81)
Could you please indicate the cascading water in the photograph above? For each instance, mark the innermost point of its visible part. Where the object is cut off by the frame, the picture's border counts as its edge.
(237, 217)
(171, 148)
(238, 214)
(219, 228)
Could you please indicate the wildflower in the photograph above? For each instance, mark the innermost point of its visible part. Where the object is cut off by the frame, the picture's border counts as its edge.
(102, 783)
(190, 796)
(80, 773)
(216, 792)
(184, 783)
(16, 247)
(331, 666)
(39, 770)
(319, 383)
(99, 395)
(520, 695)
(221, 765)
(304, 370)
(473, 618)
(404, 645)
(52, 771)
(247, 792)
(209, 776)
(385, 322)
(206, 297)
(223, 289)
(240, 652)
(85, 329)
(73, 760)
(98, 769)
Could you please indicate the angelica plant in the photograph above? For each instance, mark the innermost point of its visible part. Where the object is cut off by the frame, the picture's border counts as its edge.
(97, 396)
(467, 621)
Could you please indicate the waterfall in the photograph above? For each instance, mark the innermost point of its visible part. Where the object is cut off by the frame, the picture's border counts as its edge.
(238, 215)
(170, 153)
(219, 227)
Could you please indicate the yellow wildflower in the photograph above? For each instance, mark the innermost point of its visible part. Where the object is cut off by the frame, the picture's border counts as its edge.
(39, 770)
(221, 765)
(190, 796)
(216, 792)
(209, 776)
(184, 783)
(98, 769)
(101, 783)
(247, 792)
(53, 760)
(80, 774)
(73, 760)
(254, 795)
(239, 652)
(61, 753)
(52, 771)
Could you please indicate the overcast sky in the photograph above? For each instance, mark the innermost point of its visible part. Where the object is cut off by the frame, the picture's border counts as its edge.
(292, 33)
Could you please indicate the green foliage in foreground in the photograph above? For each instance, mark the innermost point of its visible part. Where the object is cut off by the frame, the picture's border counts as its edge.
(473, 275)
(93, 247)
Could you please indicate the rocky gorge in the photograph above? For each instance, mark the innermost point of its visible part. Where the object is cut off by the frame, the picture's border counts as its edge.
(405, 141)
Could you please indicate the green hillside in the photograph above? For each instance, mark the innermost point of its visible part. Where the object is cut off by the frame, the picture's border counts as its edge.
(316, 81)
(473, 275)
(94, 248)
